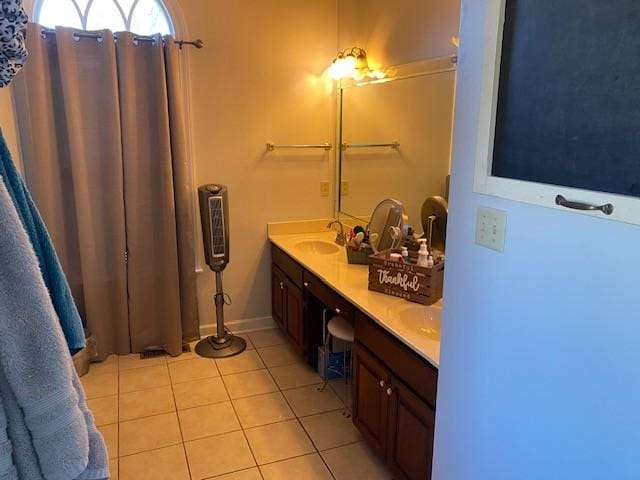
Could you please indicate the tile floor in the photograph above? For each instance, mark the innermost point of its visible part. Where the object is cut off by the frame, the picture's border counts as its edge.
(255, 416)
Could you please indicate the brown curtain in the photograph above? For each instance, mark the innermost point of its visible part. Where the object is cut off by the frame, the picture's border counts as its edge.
(103, 136)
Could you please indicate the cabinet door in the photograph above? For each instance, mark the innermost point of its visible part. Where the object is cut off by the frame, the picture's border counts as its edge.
(278, 300)
(411, 430)
(370, 400)
(295, 315)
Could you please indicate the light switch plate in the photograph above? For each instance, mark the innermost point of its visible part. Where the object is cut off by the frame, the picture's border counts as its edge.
(491, 228)
(324, 189)
(344, 189)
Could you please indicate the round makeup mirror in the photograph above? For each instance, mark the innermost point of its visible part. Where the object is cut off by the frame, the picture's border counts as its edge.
(434, 221)
(388, 225)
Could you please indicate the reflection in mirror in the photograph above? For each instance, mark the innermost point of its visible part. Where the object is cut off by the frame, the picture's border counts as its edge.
(416, 111)
(434, 214)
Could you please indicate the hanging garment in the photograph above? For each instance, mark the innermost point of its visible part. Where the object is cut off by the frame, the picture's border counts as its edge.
(104, 146)
(52, 273)
(48, 424)
(13, 54)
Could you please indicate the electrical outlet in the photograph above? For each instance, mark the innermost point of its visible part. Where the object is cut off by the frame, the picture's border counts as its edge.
(491, 228)
(344, 188)
(324, 189)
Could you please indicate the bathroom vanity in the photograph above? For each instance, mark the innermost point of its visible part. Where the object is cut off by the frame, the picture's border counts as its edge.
(395, 144)
(396, 348)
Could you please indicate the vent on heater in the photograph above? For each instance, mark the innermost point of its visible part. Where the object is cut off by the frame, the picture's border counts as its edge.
(217, 226)
(214, 213)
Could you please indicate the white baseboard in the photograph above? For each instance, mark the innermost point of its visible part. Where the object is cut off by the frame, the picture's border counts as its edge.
(240, 326)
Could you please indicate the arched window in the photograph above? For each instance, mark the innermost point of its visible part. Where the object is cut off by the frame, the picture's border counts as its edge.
(144, 17)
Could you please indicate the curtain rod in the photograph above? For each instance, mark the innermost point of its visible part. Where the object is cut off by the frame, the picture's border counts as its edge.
(197, 43)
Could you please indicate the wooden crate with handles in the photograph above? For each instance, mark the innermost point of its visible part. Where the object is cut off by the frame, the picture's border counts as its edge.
(409, 281)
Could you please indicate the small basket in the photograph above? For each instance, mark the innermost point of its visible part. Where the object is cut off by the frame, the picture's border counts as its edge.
(409, 281)
(359, 257)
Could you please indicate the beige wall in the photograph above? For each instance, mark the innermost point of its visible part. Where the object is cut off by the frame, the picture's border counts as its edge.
(8, 124)
(398, 31)
(417, 112)
(259, 79)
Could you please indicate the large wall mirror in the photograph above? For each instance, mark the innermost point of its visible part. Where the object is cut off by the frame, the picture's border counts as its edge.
(396, 138)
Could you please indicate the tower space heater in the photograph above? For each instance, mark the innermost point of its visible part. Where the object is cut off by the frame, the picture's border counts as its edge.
(214, 214)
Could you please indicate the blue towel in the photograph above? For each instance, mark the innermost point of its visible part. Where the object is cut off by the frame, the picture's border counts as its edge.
(46, 430)
(52, 273)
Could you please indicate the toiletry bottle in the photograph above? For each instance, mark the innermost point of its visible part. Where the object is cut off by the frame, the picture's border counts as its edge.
(430, 262)
(423, 253)
(405, 255)
(395, 257)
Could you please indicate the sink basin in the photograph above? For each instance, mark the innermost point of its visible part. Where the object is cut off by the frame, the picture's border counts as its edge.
(424, 321)
(318, 247)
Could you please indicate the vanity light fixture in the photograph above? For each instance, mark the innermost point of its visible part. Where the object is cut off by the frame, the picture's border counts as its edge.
(353, 63)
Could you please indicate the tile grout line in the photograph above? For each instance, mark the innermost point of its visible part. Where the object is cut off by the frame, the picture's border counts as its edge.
(118, 416)
(317, 452)
(248, 468)
(177, 411)
(184, 446)
(244, 434)
(258, 466)
(311, 439)
(279, 389)
(205, 378)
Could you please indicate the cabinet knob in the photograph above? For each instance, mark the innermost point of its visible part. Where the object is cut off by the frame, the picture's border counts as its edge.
(338, 311)
(306, 284)
(389, 391)
(382, 384)
(281, 286)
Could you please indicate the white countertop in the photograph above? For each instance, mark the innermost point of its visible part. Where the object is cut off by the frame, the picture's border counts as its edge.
(417, 326)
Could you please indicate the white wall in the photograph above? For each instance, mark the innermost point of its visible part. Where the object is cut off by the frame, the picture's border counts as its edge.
(258, 79)
(540, 356)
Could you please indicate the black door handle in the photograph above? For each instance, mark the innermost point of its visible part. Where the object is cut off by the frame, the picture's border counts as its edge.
(607, 208)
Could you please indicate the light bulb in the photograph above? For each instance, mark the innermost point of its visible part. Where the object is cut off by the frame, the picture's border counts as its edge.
(350, 62)
(343, 67)
(334, 69)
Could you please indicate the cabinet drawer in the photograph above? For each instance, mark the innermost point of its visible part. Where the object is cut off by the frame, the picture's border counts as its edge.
(419, 375)
(288, 265)
(326, 295)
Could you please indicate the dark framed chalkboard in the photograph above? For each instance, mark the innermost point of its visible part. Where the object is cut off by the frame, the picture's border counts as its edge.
(568, 96)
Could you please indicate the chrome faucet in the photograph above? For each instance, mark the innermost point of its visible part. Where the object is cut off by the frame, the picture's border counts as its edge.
(341, 238)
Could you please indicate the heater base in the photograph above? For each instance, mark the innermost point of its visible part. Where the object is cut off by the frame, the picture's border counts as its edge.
(213, 347)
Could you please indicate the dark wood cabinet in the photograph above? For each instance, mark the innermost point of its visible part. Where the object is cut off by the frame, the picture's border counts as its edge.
(394, 400)
(370, 399)
(395, 422)
(278, 300)
(328, 297)
(294, 308)
(287, 307)
(394, 389)
(410, 435)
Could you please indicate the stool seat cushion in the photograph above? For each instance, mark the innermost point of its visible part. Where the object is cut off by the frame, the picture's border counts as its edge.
(340, 328)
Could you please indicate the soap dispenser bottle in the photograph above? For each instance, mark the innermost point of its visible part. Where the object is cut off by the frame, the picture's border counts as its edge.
(405, 255)
(423, 254)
